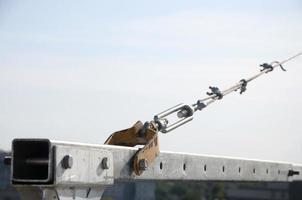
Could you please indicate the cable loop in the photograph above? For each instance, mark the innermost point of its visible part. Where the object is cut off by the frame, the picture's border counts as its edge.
(279, 64)
(215, 91)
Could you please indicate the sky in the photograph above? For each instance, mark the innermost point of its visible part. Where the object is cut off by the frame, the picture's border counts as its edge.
(81, 70)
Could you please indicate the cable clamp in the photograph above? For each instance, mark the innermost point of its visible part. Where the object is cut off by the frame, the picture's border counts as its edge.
(270, 67)
(266, 66)
(215, 91)
(200, 105)
(243, 85)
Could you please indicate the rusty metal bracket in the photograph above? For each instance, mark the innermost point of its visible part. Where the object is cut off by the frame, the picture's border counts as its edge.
(138, 134)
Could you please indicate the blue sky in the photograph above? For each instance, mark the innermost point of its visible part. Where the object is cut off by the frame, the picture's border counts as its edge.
(74, 70)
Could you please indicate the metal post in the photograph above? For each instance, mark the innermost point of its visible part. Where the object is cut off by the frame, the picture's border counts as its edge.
(81, 171)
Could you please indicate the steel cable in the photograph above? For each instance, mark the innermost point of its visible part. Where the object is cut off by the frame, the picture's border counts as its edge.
(185, 112)
(212, 98)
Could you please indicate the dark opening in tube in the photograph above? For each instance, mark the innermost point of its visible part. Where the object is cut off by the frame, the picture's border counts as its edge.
(31, 161)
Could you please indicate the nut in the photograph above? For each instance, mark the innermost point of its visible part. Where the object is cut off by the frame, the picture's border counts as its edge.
(105, 163)
(143, 164)
(67, 161)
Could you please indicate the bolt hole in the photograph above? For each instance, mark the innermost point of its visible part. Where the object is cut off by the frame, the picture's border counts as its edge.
(223, 168)
(266, 171)
(239, 170)
(254, 170)
(161, 165)
(205, 168)
(279, 172)
(184, 167)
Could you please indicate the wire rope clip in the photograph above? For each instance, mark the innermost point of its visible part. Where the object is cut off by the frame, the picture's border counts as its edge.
(243, 85)
(215, 91)
(200, 105)
(270, 67)
(267, 67)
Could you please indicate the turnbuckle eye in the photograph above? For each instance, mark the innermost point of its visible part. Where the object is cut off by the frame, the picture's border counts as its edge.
(185, 111)
(184, 115)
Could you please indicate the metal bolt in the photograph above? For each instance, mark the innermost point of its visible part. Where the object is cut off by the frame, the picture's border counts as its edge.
(105, 163)
(7, 160)
(143, 164)
(67, 161)
(293, 172)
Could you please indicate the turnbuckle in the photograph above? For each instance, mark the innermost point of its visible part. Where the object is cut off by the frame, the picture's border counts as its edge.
(184, 115)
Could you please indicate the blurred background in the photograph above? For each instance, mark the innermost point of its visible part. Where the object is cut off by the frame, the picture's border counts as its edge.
(80, 70)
